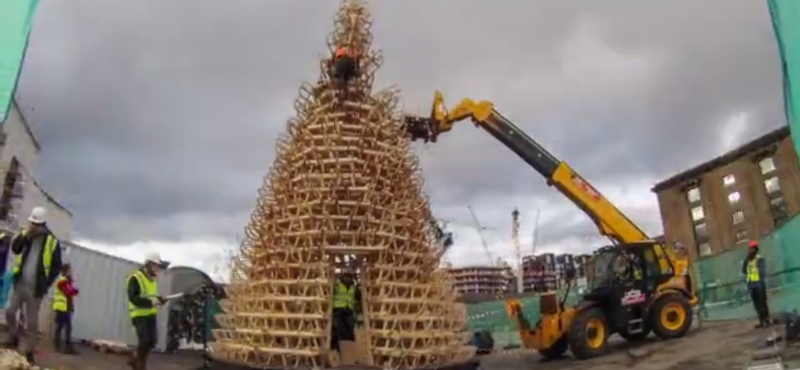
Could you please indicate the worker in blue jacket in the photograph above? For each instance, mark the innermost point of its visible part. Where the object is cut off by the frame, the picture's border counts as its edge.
(754, 268)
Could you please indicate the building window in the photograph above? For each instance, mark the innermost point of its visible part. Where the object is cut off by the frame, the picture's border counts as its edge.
(734, 197)
(728, 180)
(693, 195)
(701, 231)
(772, 184)
(697, 213)
(777, 206)
(738, 217)
(704, 249)
(741, 235)
(767, 165)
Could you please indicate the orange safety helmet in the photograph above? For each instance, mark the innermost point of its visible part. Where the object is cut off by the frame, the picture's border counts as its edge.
(753, 244)
(341, 51)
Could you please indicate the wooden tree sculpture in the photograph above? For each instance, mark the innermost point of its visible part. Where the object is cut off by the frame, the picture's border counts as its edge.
(345, 188)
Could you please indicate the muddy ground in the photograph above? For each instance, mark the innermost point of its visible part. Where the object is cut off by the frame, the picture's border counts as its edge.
(718, 346)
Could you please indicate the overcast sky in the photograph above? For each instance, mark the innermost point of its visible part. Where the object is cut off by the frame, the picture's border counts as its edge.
(158, 118)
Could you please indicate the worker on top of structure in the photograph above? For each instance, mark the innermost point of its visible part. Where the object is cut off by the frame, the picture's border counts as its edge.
(346, 302)
(37, 264)
(344, 64)
(143, 304)
(63, 306)
(754, 268)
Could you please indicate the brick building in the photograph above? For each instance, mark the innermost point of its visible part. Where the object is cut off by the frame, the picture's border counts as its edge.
(741, 195)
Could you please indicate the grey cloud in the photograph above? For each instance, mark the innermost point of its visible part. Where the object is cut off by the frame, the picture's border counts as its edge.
(158, 120)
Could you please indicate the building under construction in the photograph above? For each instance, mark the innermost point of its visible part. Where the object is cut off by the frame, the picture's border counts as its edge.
(547, 271)
(738, 196)
(483, 280)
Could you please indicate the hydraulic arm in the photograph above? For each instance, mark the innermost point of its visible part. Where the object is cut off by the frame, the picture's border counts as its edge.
(610, 221)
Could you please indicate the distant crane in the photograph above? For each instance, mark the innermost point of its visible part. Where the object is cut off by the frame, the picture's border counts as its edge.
(517, 247)
(479, 228)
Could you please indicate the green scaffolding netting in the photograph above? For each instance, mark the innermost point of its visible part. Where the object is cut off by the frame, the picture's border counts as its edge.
(16, 17)
(785, 19)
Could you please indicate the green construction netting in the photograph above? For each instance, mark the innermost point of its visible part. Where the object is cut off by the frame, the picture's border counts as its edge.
(722, 287)
(723, 291)
(785, 19)
(16, 17)
(492, 316)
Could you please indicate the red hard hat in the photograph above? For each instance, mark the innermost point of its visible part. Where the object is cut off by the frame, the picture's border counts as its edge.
(753, 244)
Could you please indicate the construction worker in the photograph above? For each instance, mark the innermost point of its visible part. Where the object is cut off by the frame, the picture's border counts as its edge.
(143, 304)
(37, 264)
(346, 299)
(64, 306)
(344, 64)
(754, 268)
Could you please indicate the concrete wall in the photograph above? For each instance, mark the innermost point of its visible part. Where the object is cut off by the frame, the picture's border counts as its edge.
(20, 143)
(754, 201)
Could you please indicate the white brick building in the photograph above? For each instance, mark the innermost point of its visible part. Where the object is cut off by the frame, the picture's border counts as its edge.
(19, 191)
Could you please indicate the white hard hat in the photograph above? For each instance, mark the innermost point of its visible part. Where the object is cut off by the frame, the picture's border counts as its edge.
(38, 215)
(153, 257)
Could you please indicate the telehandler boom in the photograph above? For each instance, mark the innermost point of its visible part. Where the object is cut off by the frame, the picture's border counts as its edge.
(637, 285)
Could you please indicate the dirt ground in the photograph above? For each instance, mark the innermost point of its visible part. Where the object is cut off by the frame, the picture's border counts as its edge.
(90, 359)
(718, 346)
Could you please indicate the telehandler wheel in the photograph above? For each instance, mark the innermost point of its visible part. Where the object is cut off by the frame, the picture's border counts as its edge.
(671, 316)
(556, 350)
(588, 334)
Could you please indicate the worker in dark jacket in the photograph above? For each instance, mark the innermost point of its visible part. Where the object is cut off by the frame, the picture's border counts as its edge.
(63, 307)
(346, 302)
(754, 268)
(37, 264)
(143, 304)
(344, 64)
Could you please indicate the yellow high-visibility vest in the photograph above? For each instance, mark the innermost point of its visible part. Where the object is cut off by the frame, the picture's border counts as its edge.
(147, 288)
(59, 298)
(344, 297)
(752, 270)
(50, 245)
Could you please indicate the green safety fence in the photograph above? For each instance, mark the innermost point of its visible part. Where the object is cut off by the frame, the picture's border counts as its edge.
(785, 18)
(723, 290)
(16, 17)
(491, 316)
(721, 287)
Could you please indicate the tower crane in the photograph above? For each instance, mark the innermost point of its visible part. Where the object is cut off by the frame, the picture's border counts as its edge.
(479, 228)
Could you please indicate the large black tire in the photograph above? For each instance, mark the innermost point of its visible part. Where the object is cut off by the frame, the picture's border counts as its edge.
(557, 350)
(671, 316)
(638, 337)
(588, 334)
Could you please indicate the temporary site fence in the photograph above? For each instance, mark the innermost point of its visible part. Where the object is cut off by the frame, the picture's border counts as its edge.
(723, 289)
(101, 307)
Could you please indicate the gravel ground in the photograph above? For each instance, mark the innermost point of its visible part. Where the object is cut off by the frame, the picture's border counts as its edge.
(718, 346)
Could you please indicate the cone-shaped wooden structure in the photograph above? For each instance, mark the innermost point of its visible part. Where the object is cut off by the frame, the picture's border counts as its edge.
(345, 188)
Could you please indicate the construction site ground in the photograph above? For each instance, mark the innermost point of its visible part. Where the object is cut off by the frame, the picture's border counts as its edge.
(717, 346)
